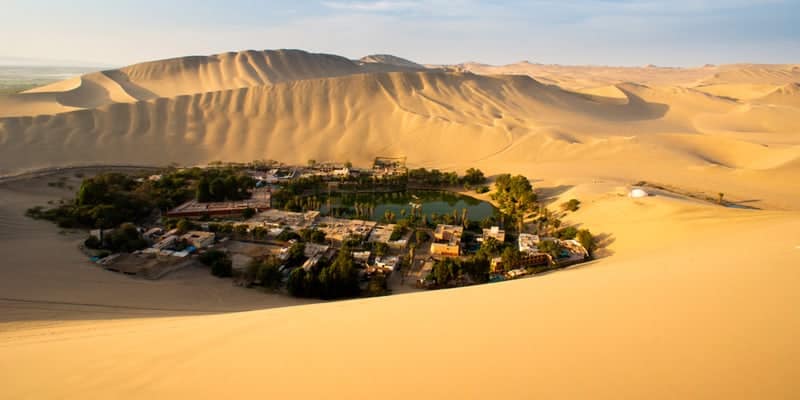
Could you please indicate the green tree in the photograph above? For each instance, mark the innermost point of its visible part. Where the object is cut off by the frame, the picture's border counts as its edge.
(511, 258)
(203, 194)
(474, 176)
(296, 255)
(218, 189)
(269, 273)
(490, 247)
(585, 238)
(248, 213)
(551, 247)
(297, 283)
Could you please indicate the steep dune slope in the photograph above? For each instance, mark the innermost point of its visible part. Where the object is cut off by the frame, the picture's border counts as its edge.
(357, 116)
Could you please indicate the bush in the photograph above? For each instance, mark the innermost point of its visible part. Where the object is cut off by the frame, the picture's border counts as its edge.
(482, 189)
(377, 286)
(184, 225)
(248, 213)
(269, 274)
(287, 235)
(571, 205)
(567, 233)
(380, 249)
(221, 265)
(398, 232)
(92, 242)
(222, 268)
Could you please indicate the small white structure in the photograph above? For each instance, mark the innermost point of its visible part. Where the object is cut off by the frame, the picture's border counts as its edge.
(637, 193)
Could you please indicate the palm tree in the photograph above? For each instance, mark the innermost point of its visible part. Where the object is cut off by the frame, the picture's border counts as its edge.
(721, 195)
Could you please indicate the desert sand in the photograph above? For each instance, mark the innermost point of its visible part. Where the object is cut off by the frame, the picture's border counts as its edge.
(688, 299)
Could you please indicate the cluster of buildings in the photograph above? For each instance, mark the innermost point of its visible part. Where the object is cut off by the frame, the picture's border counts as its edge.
(530, 256)
(167, 251)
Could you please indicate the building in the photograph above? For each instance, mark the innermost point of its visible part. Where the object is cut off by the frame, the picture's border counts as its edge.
(166, 242)
(361, 257)
(280, 220)
(153, 234)
(528, 243)
(382, 233)
(259, 201)
(340, 230)
(447, 240)
(199, 239)
(495, 233)
(387, 263)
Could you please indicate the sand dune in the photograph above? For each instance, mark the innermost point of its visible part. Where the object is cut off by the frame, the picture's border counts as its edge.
(460, 117)
(689, 299)
(190, 75)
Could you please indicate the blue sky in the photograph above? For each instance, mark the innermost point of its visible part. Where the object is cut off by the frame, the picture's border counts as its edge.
(602, 32)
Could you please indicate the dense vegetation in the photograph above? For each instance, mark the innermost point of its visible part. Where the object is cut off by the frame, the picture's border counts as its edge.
(338, 279)
(126, 238)
(515, 197)
(452, 271)
(110, 199)
(223, 185)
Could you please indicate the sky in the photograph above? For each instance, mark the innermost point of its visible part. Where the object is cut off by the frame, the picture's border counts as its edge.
(597, 32)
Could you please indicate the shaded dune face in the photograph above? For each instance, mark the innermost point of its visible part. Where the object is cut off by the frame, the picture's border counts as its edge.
(293, 106)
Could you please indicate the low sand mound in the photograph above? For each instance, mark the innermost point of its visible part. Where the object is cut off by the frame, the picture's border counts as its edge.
(787, 95)
(739, 91)
(755, 74)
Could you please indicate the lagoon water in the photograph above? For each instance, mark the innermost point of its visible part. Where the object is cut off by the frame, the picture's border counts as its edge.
(431, 202)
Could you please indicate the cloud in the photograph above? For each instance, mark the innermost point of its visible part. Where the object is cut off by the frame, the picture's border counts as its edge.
(372, 6)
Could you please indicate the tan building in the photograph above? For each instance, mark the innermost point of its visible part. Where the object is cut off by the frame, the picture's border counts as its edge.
(495, 233)
(199, 239)
(447, 240)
